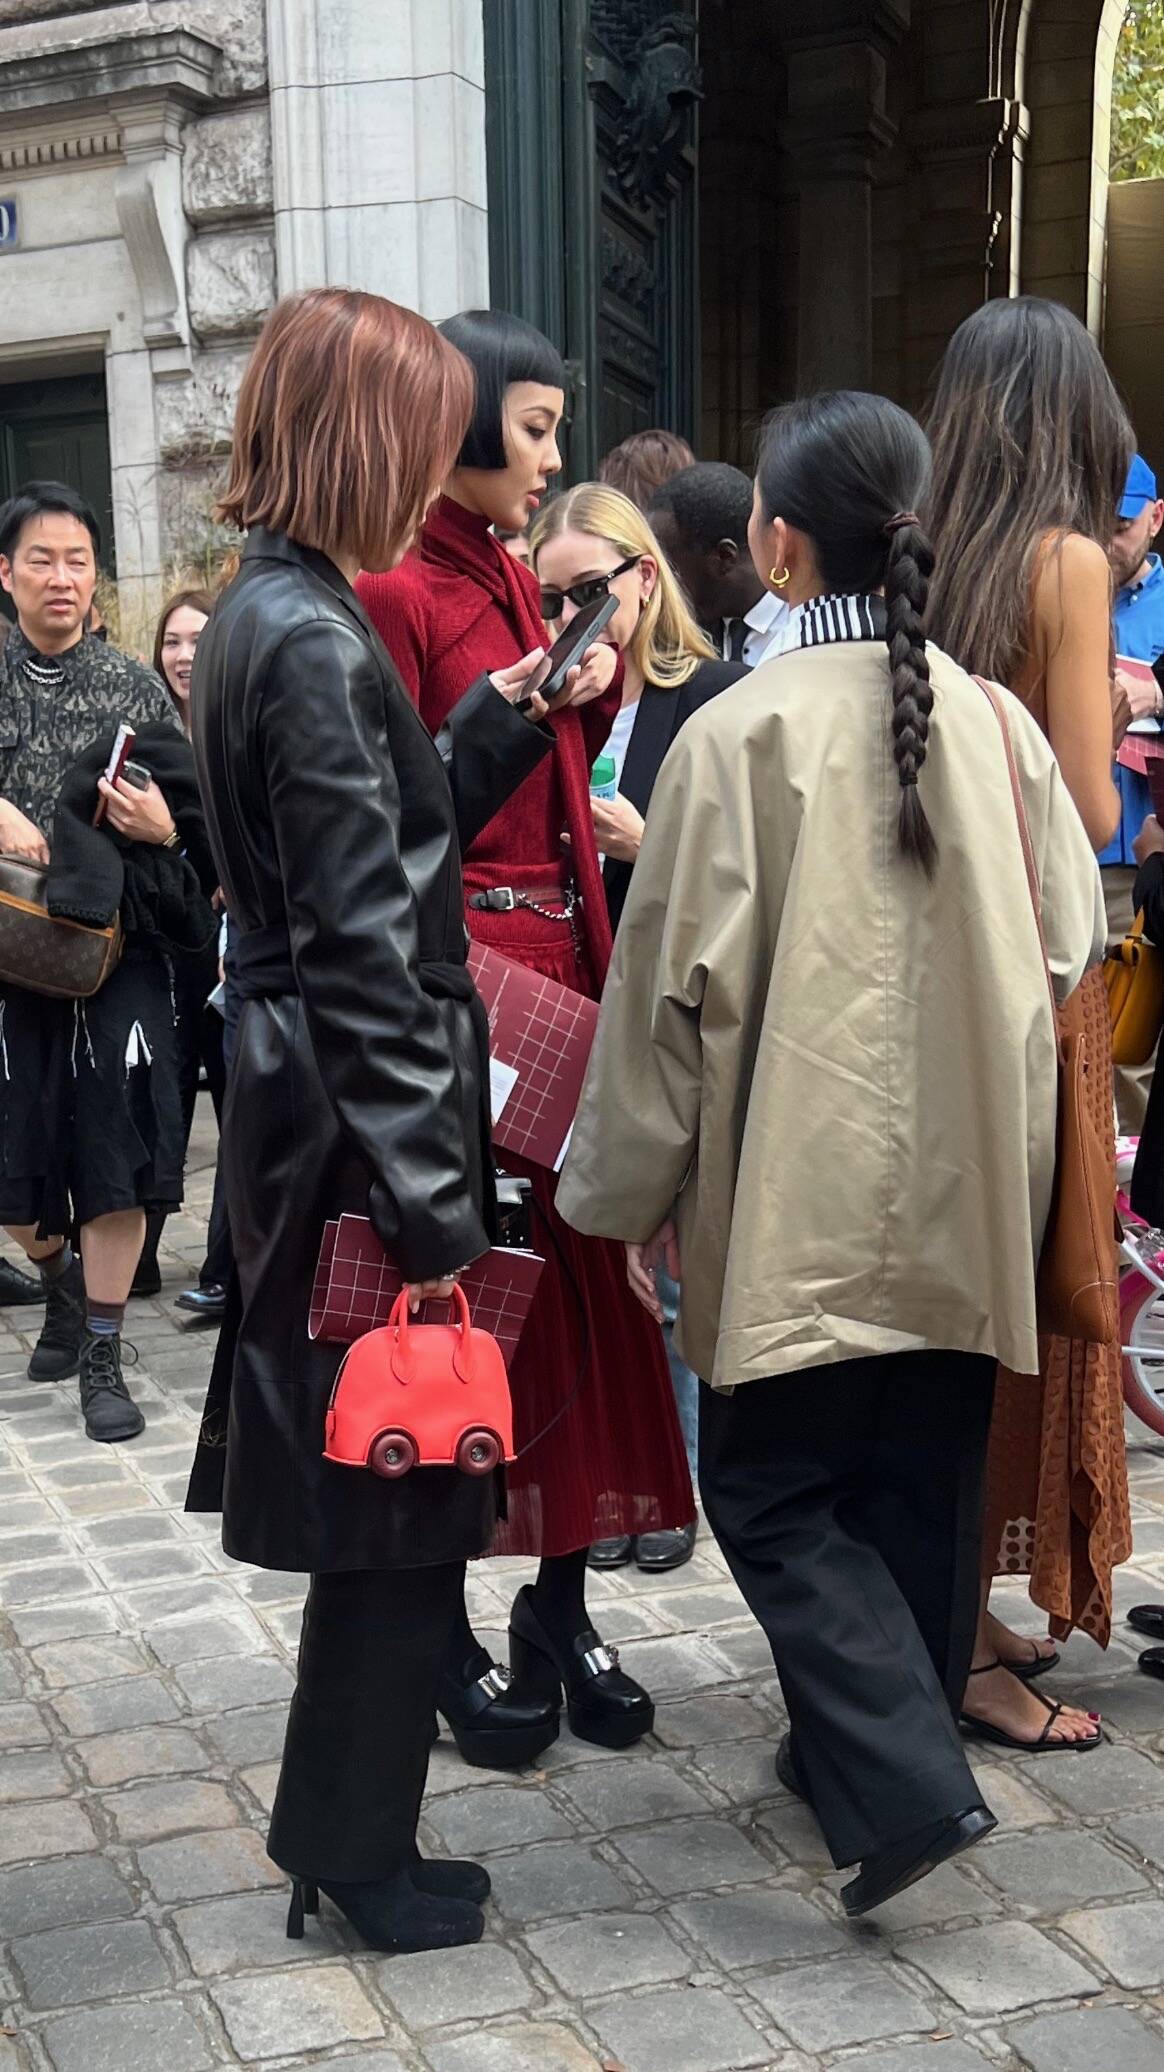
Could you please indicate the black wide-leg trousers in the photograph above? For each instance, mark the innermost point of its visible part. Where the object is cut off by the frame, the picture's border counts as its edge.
(355, 1759)
(848, 1502)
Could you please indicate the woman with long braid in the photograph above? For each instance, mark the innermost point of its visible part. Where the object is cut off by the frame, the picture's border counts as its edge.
(828, 1037)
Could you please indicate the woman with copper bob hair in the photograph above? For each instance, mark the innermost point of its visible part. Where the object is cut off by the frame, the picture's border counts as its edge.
(360, 1076)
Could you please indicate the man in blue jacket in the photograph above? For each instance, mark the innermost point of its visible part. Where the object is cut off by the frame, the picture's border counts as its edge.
(1138, 624)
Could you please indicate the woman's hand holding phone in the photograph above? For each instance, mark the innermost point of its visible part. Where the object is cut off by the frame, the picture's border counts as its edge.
(512, 683)
(593, 676)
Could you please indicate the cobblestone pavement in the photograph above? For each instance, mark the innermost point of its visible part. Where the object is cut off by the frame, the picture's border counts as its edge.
(669, 1910)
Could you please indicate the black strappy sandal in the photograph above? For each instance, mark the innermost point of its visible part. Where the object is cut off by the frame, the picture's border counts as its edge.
(983, 1730)
(1035, 1665)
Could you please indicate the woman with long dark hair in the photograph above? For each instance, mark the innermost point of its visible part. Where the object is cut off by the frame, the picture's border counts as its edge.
(1031, 449)
(836, 1101)
(359, 1080)
(599, 1442)
(199, 1028)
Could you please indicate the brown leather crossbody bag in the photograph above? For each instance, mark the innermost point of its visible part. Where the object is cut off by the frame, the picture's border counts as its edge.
(64, 960)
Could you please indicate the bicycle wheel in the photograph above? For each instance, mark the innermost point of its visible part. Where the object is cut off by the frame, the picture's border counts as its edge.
(1142, 1339)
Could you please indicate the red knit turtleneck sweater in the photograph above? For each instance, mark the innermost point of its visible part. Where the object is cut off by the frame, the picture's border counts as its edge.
(457, 605)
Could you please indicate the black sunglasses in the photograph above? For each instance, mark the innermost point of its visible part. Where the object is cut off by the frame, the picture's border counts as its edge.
(582, 594)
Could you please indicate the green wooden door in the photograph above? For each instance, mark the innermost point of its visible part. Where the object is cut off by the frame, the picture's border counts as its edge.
(58, 431)
(591, 112)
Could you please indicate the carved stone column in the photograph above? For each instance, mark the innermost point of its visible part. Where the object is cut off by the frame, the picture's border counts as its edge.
(836, 129)
(378, 143)
(968, 182)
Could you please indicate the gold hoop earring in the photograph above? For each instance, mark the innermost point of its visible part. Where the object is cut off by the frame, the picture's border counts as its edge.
(778, 582)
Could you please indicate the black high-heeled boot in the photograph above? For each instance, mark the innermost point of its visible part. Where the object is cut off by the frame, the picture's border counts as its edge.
(494, 1726)
(451, 1877)
(392, 1914)
(603, 1704)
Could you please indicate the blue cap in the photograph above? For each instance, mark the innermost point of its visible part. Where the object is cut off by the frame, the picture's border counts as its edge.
(1141, 488)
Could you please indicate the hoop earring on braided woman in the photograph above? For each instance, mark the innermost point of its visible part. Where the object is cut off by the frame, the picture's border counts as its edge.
(908, 568)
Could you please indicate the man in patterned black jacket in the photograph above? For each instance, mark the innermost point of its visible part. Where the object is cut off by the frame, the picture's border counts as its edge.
(90, 1121)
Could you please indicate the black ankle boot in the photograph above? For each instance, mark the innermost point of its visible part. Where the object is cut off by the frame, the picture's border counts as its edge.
(392, 1914)
(602, 1703)
(495, 1727)
(58, 1349)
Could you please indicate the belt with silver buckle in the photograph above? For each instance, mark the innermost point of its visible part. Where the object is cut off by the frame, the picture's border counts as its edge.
(552, 904)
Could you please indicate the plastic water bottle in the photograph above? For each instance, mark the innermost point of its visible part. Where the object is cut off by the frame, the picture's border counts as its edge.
(604, 779)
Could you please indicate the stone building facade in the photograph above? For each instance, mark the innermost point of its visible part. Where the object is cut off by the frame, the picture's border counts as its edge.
(170, 165)
(708, 203)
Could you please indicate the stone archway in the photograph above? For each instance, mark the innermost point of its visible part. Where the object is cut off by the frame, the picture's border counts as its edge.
(1062, 58)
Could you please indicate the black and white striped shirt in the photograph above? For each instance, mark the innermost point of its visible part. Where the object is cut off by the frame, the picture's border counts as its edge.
(825, 619)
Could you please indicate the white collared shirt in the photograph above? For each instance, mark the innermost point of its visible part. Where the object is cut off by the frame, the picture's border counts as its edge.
(769, 630)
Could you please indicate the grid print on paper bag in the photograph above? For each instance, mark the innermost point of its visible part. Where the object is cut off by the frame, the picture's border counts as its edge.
(356, 1285)
(545, 1032)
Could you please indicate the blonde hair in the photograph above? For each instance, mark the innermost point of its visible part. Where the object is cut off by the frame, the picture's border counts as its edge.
(666, 645)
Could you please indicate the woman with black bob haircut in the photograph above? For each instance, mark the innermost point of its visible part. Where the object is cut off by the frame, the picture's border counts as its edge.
(502, 350)
(600, 1451)
(828, 1039)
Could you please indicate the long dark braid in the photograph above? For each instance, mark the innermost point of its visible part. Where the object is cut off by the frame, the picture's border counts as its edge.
(847, 469)
(908, 568)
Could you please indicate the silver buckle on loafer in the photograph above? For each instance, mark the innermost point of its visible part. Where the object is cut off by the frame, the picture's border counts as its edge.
(495, 1682)
(600, 1658)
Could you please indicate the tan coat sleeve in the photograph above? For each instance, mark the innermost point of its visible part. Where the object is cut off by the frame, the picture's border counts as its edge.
(680, 956)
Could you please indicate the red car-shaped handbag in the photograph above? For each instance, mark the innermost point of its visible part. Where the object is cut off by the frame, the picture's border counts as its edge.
(421, 1395)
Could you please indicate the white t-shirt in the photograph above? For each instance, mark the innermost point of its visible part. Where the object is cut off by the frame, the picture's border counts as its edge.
(620, 734)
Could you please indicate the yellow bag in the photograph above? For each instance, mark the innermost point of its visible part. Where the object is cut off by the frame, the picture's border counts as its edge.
(1134, 973)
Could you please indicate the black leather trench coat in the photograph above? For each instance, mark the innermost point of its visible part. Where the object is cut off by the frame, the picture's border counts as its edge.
(337, 823)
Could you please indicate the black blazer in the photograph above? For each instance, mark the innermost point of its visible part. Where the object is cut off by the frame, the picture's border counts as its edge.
(336, 823)
(658, 720)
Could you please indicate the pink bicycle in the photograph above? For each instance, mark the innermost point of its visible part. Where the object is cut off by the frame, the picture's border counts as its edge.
(1141, 1302)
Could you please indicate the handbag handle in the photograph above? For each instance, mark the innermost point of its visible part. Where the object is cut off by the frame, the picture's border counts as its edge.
(404, 1352)
(1024, 830)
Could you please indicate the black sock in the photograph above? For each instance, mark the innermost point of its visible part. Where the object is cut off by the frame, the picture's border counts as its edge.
(559, 1594)
(57, 1263)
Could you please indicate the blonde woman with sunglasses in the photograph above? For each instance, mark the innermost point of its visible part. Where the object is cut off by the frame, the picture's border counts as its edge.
(591, 541)
(587, 543)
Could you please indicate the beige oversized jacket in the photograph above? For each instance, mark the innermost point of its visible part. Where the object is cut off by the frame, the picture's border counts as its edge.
(842, 1075)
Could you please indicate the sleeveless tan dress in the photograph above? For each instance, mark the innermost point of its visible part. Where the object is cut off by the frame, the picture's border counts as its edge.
(1057, 1483)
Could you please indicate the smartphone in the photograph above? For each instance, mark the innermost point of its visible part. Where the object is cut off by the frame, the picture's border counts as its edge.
(550, 680)
(137, 775)
(115, 767)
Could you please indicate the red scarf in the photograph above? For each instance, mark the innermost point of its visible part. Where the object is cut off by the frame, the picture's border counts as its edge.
(455, 539)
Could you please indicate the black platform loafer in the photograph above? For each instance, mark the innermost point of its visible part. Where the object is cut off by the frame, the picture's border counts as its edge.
(603, 1704)
(656, 1552)
(615, 1553)
(1149, 1619)
(494, 1726)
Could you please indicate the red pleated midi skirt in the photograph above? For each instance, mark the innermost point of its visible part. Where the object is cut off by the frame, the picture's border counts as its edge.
(600, 1451)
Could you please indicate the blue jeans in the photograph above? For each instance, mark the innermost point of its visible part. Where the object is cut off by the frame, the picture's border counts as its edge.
(683, 1381)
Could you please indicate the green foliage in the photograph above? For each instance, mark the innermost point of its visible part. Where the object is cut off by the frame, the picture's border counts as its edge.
(1137, 129)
